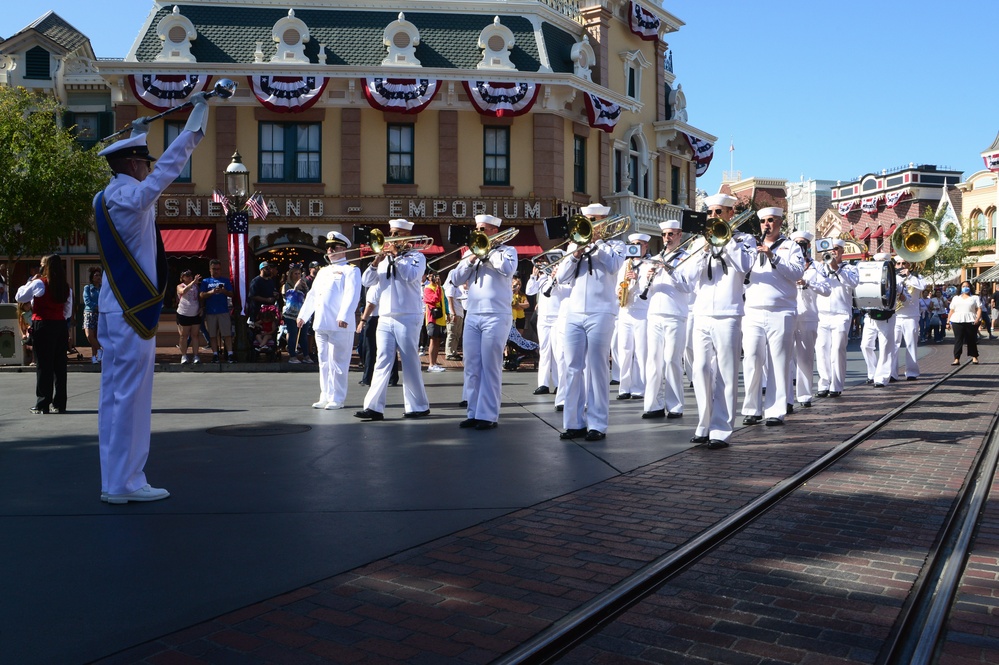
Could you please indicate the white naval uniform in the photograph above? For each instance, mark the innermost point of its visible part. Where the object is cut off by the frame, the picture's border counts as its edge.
(547, 308)
(806, 329)
(768, 329)
(333, 297)
(488, 319)
(125, 408)
(879, 362)
(835, 316)
(669, 308)
(632, 333)
(558, 338)
(717, 311)
(907, 324)
(400, 318)
(589, 326)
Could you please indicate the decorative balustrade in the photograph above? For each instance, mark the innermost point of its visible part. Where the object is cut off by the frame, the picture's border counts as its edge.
(645, 214)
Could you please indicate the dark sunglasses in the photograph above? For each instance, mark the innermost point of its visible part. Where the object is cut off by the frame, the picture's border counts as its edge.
(717, 211)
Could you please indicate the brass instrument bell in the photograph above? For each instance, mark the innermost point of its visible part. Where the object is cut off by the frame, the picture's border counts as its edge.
(916, 240)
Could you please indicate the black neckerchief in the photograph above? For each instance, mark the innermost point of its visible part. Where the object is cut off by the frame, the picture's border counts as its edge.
(721, 259)
(390, 271)
(589, 263)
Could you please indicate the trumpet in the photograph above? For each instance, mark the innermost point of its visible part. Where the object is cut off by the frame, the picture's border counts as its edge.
(482, 245)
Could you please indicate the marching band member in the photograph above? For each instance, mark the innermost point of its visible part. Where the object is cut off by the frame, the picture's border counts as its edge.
(835, 315)
(667, 325)
(768, 324)
(542, 284)
(811, 285)
(591, 273)
(907, 318)
(333, 300)
(561, 291)
(879, 328)
(398, 275)
(717, 277)
(487, 325)
(632, 323)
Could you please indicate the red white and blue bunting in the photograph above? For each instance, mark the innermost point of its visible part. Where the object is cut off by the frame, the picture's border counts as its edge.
(644, 23)
(704, 152)
(870, 204)
(287, 94)
(501, 99)
(992, 162)
(601, 113)
(400, 95)
(892, 198)
(162, 92)
(846, 206)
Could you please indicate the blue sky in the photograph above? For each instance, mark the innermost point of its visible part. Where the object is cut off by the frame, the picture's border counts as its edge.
(819, 90)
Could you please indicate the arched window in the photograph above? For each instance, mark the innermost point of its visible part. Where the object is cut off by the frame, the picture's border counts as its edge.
(981, 227)
(633, 164)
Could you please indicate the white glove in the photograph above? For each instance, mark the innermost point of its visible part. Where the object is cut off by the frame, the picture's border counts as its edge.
(198, 121)
(140, 126)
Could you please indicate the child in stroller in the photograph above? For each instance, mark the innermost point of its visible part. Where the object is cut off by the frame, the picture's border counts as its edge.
(265, 330)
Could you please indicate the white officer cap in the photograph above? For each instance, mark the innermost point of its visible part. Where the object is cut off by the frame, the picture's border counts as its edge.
(402, 224)
(802, 235)
(763, 213)
(639, 237)
(133, 147)
(669, 224)
(488, 219)
(723, 200)
(595, 209)
(337, 237)
(881, 256)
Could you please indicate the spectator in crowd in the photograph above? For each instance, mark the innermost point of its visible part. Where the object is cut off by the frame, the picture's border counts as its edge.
(91, 292)
(456, 296)
(214, 292)
(265, 328)
(294, 292)
(520, 304)
(188, 314)
(986, 302)
(262, 290)
(435, 307)
(965, 315)
(24, 323)
(51, 306)
(314, 267)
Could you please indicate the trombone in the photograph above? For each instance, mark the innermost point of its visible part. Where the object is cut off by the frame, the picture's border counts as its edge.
(583, 232)
(716, 233)
(482, 245)
(377, 242)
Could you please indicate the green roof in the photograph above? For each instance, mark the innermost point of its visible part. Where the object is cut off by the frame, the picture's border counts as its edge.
(54, 27)
(354, 38)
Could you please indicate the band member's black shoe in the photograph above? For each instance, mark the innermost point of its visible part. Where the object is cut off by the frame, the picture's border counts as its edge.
(869, 381)
(892, 379)
(752, 420)
(698, 439)
(822, 393)
(462, 404)
(674, 414)
(634, 396)
(790, 409)
(879, 385)
(541, 390)
(658, 413)
(486, 424)
(807, 405)
(368, 414)
(615, 382)
(835, 393)
(773, 422)
(624, 396)
(559, 407)
(416, 414)
(594, 435)
(715, 444)
(573, 433)
(468, 422)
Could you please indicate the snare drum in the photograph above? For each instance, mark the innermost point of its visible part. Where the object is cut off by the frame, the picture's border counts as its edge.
(876, 289)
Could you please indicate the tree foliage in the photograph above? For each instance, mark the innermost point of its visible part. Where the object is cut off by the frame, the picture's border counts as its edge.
(47, 181)
(953, 251)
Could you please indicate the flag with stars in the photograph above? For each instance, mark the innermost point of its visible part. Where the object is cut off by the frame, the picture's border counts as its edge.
(238, 226)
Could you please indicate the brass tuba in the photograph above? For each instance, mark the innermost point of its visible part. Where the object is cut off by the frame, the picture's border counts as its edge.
(916, 240)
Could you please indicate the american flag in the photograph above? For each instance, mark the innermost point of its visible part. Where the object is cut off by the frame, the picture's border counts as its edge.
(238, 226)
(218, 197)
(257, 206)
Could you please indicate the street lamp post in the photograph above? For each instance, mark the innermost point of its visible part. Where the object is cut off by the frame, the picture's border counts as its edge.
(237, 186)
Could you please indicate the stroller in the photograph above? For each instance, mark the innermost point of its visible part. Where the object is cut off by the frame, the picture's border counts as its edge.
(518, 348)
(264, 331)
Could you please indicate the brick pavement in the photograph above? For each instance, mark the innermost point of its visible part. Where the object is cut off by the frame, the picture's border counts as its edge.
(478, 593)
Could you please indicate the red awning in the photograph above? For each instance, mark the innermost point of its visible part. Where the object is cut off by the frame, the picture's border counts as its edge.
(878, 233)
(865, 235)
(526, 243)
(432, 230)
(891, 230)
(189, 242)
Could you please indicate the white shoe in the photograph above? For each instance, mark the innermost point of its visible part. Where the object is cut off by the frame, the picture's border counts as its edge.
(309, 361)
(197, 360)
(94, 360)
(183, 360)
(333, 406)
(100, 355)
(294, 361)
(436, 368)
(145, 493)
(320, 404)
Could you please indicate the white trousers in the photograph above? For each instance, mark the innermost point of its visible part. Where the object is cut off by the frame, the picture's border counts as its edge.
(880, 362)
(767, 340)
(632, 350)
(615, 371)
(805, 335)
(664, 364)
(402, 332)
(485, 338)
(587, 346)
(830, 350)
(688, 351)
(558, 344)
(547, 363)
(126, 404)
(907, 330)
(334, 348)
(717, 340)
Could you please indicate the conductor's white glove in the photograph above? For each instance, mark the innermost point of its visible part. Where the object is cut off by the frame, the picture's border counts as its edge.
(198, 121)
(140, 126)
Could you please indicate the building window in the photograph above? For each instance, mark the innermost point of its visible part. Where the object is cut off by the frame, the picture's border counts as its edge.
(496, 164)
(36, 64)
(674, 185)
(290, 152)
(88, 128)
(982, 227)
(400, 154)
(172, 131)
(579, 164)
(632, 83)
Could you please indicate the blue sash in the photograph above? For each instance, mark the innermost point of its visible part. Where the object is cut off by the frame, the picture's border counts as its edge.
(141, 300)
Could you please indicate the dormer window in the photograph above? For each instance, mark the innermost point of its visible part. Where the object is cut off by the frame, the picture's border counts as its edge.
(291, 35)
(36, 64)
(634, 63)
(176, 32)
(496, 40)
(401, 39)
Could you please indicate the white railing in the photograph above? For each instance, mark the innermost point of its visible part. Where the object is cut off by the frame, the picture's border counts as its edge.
(568, 8)
(645, 214)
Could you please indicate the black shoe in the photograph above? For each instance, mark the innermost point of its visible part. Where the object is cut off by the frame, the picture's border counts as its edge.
(635, 396)
(541, 390)
(362, 382)
(416, 414)
(892, 379)
(869, 381)
(231, 360)
(674, 414)
(715, 444)
(752, 420)
(594, 435)
(912, 378)
(658, 413)
(698, 439)
(468, 422)
(393, 384)
(573, 433)
(368, 414)
(624, 396)
(560, 408)
(462, 404)
(879, 385)
(790, 409)
(834, 393)
(807, 405)
(774, 422)
(822, 393)
(486, 424)
(615, 382)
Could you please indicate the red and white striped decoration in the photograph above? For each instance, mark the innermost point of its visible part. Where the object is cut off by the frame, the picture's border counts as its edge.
(870, 204)
(162, 92)
(992, 162)
(644, 23)
(846, 206)
(501, 99)
(704, 152)
(239, 258)
(287, 94)
(400, 95)
(601, 113)
(892, 198)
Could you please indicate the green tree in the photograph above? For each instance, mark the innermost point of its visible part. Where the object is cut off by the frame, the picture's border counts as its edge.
(47, 181)
(953, 250)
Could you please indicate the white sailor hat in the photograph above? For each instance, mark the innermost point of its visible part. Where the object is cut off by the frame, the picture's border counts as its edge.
(669, 224)
(763, 213)
(403, 224)
(639, 237)
(134, 147)
(802, 235)
(723, 200)
(595, 209)
(838, 242)
(488, 219)
(336, 237)
(881, 256)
